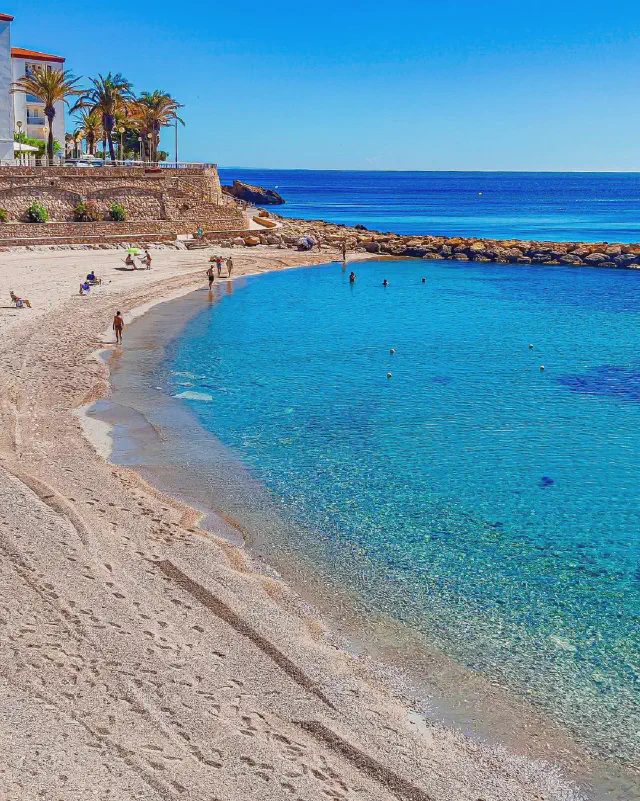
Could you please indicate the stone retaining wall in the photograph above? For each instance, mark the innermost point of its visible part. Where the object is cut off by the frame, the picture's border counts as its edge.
(12, 235)
(97, 242)
(180, 195)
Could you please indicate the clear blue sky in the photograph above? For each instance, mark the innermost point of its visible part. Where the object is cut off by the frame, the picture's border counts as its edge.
(340, 84)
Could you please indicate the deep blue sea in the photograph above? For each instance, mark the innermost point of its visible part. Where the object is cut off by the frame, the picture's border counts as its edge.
(591, 207)
(486, 503)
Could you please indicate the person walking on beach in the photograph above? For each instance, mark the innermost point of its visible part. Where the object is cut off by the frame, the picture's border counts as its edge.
(344, 250)
(229, 266)
(147, 259)
(210, 276)
(118, 326)
(219, 265)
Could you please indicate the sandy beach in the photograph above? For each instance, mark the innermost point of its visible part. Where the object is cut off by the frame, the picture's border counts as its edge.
(143, 658)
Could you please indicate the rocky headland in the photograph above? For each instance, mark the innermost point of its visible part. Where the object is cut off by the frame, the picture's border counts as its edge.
(253, 194)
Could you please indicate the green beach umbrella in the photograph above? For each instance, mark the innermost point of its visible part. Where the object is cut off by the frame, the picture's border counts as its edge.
(134, 251)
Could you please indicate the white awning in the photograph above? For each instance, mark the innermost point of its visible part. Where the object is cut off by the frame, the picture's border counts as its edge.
(20, 147)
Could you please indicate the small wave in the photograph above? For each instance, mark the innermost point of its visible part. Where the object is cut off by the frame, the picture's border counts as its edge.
(190, 395)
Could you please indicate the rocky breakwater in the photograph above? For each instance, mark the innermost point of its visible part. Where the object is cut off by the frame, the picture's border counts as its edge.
(436, 248)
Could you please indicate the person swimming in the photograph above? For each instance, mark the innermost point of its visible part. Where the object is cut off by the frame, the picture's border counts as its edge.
(385, 282)
(352, 278)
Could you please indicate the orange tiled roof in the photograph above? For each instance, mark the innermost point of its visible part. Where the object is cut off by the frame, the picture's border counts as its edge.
(6, 18)
(34, 55)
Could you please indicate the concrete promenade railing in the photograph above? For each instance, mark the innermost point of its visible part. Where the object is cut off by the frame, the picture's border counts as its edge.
(70, 170)
(100, 163)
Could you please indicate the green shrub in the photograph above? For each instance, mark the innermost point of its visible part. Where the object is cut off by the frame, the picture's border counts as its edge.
(87, 211)
(4, 215)
(39, 143)
(117, 212)
(37, 213)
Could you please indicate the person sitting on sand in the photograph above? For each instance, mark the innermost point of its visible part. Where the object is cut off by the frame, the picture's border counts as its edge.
(129, 261)
(118, 326)
(85, 288)
(211, 276)
(20, 303)
(229, 266)
(352, 278)
(92, 279)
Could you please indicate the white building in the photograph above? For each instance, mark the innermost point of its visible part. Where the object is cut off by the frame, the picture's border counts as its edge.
(6, 101)
(22, 112)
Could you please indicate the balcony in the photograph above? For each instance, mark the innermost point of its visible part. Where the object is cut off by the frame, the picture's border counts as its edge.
(40, 121)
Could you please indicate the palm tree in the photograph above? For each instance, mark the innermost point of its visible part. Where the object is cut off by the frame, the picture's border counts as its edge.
(152, 112)
(110, 95)
(51, 87)
(90, 128)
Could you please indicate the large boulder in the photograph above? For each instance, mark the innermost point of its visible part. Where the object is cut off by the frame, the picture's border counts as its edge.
(570, 258)
(625, 259)
(416, 252)
(595, 258)
(253, 194)
(477, 247)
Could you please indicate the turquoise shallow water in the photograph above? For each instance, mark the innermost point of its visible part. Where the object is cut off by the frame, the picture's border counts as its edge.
(487, 504)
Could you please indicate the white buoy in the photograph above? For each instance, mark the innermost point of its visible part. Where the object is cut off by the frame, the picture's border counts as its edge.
(542, 367)
(393, 350)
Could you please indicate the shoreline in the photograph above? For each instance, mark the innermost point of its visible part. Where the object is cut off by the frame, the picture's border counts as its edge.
(100, 585)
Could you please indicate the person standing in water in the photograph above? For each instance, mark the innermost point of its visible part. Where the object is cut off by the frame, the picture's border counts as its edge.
(352, 278)
(118, 326)
(344, 250)
(211, 276)
(229, 266)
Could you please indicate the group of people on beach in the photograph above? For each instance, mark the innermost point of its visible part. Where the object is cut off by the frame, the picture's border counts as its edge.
(89, 281)
(145, 261)
(218, 261)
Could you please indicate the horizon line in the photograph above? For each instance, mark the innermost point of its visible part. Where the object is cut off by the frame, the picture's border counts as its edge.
(479, 172)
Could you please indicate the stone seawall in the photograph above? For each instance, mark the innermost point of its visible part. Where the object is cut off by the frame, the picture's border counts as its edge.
(180, 195)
